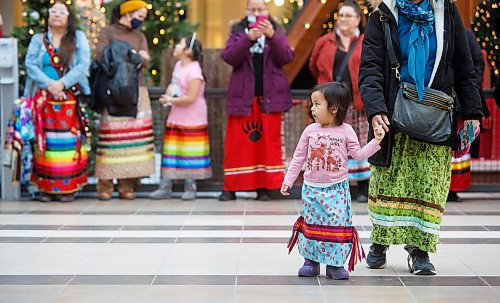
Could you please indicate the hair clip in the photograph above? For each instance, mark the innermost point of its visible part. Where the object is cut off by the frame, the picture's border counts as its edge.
(192, 41)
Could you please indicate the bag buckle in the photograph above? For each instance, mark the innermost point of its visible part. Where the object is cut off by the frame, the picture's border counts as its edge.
(395, 67)
(383, 17)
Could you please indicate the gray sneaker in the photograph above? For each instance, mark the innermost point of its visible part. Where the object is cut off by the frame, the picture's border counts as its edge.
(189, 190)
(164, 191)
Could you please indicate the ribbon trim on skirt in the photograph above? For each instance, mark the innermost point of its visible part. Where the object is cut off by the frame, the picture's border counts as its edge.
(334, 234)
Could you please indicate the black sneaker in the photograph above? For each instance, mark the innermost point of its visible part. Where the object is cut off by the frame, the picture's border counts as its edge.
(453, 197)
(227, 196)
(419, 262)
(263, 195)
(376, 258)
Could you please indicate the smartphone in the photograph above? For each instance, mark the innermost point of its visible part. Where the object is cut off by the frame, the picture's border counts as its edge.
(254, 21)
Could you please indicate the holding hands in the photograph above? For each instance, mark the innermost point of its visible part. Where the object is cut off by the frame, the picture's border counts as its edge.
(379, 133)
(380, 124)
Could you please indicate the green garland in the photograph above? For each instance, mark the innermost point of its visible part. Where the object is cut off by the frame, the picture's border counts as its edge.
(486, 25)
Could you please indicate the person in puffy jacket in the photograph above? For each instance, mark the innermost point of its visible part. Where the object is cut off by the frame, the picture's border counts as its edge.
(257, 95)
(125, 144)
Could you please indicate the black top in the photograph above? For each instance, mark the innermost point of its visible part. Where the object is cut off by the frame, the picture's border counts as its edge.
(344, 77)
(258, 69)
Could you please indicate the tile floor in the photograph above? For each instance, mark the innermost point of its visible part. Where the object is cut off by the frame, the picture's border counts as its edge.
(208, 251)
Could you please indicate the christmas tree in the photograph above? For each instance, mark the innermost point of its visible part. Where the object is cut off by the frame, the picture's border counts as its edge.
(292, 9)
(165, 24)
(35, 18)
(486, 25)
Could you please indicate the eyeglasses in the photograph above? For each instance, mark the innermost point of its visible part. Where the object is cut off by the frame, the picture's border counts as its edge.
(256, 10)
(347, 16)
(54, 12)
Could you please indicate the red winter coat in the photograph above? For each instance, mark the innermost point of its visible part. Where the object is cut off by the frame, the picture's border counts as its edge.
(323, 59)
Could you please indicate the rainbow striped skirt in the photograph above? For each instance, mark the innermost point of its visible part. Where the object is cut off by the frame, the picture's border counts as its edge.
(60, 162)
(186, 152)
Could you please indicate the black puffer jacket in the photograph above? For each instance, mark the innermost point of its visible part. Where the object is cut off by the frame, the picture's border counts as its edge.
(115, 81)
(378, 84)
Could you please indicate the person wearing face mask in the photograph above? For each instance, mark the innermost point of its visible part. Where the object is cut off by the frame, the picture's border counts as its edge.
(336, 57)
(125, 143)
(57, 61)
(257, 95)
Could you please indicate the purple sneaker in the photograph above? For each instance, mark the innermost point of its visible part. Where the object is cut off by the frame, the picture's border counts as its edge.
(337, 273)
(309, 269)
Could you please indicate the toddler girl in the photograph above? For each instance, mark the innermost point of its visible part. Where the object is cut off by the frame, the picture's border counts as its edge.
(324, 230)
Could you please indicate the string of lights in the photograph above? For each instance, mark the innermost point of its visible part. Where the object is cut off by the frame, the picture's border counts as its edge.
(486, 25)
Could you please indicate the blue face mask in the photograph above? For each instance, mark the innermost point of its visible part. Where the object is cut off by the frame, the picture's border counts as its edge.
(136, 23)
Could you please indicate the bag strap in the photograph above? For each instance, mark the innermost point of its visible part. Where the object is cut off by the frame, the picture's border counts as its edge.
(390, 47)
(343, 66)
(55, 61)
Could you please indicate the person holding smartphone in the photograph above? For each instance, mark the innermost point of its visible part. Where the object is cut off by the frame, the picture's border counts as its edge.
(257, 49)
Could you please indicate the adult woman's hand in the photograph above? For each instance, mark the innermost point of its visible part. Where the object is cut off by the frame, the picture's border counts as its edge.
(254, 34)
(56, 86)
(267, 28)
(381, 120)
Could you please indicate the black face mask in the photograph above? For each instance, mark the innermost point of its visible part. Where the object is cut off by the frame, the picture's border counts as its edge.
(135, 23)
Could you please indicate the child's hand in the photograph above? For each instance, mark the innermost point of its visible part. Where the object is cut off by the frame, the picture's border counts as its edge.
(284, 190)
(168, 92)
(379, 133)
(163, 99)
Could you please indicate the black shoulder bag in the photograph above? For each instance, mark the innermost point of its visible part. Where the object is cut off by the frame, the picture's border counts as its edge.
(428, 120)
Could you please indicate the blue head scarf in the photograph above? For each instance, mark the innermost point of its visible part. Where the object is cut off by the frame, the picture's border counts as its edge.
(422, 17)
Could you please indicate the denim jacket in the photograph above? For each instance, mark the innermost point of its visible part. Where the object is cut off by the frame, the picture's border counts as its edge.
(79, 66)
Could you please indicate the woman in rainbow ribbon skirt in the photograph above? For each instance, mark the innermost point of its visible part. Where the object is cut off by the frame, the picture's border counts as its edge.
(57, 62)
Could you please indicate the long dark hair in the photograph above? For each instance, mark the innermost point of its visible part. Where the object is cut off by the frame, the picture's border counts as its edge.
(336, 94)
(196, 50)
(115, 14)
(68, 41)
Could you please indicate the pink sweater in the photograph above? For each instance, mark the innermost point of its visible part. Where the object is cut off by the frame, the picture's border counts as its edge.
(325, 152)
